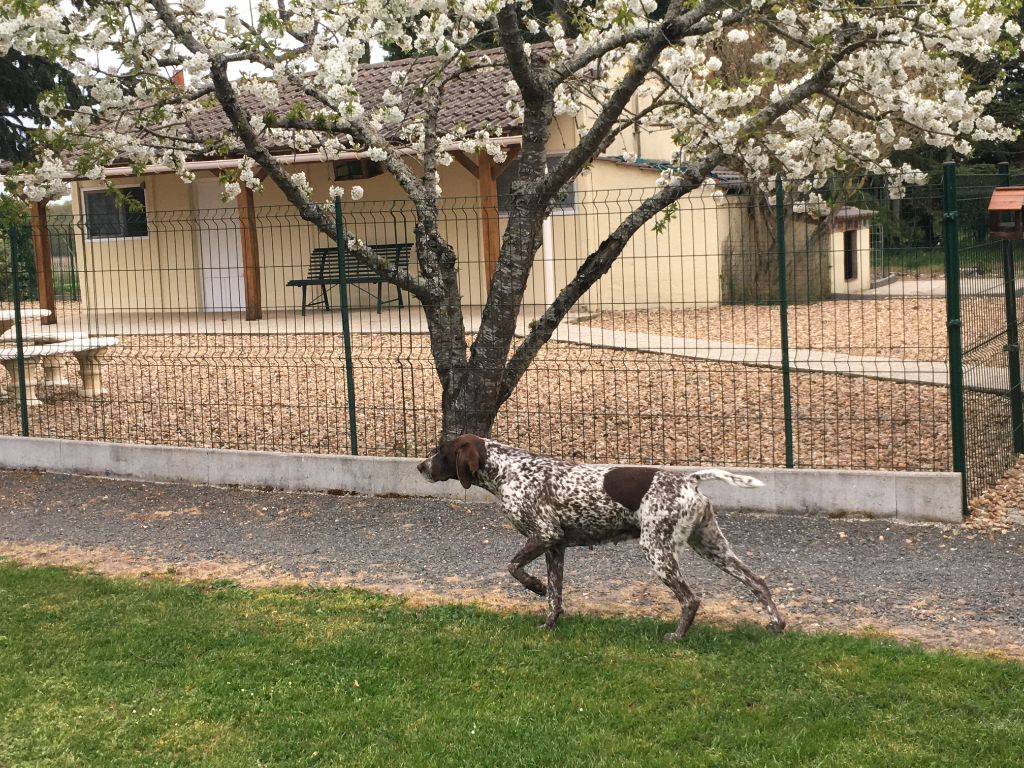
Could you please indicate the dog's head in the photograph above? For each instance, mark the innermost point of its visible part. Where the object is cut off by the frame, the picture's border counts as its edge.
(459, 459)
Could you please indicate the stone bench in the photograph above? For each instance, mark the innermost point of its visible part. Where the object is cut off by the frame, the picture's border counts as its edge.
(54, 374)
(85, 349)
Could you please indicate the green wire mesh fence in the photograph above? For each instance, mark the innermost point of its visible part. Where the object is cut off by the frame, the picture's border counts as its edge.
(711, 340)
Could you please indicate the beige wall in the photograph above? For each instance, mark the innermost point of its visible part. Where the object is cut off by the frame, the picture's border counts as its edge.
(649, 142)
(677, 266)
(862, 282)
(156, 272)
(162, 271)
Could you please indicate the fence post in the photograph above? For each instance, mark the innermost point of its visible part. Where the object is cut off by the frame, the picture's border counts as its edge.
(346, 331)
(1012, 336)
(15, 240)
(950, 237)
(780, 244)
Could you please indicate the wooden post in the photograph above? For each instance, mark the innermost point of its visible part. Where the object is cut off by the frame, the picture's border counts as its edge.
(487, 179)
(44, 261)
(250, 255)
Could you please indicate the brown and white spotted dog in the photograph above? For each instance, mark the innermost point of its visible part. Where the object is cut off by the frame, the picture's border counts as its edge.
(556, 505)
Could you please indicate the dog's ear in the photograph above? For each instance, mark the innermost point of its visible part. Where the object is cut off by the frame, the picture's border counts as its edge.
(467, 462)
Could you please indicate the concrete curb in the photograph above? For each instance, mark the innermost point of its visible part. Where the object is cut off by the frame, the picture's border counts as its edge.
(901, 496)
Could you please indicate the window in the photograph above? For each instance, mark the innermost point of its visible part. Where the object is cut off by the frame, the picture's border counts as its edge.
(120, 212)
(567, 201)
(850, 254)
(361, 168)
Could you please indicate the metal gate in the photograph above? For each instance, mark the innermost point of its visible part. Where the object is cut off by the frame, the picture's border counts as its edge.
(984, 280)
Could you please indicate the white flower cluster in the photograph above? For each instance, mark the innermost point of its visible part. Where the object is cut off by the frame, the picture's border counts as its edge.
(799, 89)
(264, 90)
(247, 175)
(302, 183)
(338, 193)
(48, 180)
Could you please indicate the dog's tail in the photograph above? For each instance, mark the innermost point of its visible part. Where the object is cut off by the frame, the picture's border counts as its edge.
(744, 481)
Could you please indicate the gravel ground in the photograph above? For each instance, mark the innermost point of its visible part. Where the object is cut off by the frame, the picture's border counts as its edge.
(288, 393)
(945, 586)
(909, 328)
(1002, 506)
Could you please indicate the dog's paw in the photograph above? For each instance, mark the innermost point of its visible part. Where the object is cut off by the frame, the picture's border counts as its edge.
(778, 627)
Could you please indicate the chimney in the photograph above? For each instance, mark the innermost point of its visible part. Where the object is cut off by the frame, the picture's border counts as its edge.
(178, 78)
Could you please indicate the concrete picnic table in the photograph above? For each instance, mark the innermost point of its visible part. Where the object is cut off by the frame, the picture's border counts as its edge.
(44, 344)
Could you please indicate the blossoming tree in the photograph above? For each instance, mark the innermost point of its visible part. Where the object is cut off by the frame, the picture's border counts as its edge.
(807, 88)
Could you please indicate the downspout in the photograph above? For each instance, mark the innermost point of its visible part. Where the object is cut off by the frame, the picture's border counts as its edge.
(548, 260)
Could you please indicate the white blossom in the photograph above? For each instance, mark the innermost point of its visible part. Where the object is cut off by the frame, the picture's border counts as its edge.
(905, 81)
(357, 193)
(302, 183)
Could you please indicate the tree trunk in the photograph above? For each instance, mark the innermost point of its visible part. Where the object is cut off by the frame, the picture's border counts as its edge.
(472, 410)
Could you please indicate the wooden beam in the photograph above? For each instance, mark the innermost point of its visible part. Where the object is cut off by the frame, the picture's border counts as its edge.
(44, 261)
(489, 214)
(250, 255)
(466, 162)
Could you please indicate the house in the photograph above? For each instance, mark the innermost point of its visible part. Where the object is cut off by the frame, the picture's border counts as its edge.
(164, 245)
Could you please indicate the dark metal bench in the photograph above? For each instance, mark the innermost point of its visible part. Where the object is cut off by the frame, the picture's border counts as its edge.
(323, 272)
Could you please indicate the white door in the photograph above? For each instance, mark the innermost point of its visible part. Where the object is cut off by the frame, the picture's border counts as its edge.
(220, 248)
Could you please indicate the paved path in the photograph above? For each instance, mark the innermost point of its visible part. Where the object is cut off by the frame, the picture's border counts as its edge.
(806, 360)
(970, 285)
(947, 586)
(410, 320)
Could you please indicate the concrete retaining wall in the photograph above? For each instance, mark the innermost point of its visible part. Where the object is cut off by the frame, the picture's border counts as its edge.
(903, 496)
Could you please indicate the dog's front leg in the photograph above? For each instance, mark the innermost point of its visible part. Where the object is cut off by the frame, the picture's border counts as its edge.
(531, 550)
(555, 557)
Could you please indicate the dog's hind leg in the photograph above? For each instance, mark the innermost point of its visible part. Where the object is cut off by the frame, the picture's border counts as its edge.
(530, 551)
(555, 557)
(656, 542)
(709, 542)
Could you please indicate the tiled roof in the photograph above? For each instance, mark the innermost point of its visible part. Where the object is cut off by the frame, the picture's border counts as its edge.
(848, 212)
(474, 98)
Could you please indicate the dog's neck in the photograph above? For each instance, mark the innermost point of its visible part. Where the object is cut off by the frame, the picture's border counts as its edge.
(504, 463)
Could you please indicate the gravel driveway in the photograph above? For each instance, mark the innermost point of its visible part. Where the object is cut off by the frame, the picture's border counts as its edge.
(945, 586)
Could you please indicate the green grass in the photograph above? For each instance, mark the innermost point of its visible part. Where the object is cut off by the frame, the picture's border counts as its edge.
(101, 672)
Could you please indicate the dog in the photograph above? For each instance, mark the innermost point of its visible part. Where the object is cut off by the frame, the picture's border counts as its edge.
(557, 505)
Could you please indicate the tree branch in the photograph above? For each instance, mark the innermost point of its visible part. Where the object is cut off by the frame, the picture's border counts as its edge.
(593, 269)
(601, 260)
(525, 74)
(675, 26)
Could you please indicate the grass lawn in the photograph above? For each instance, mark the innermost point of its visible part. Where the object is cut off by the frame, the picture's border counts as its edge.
(101, 672)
